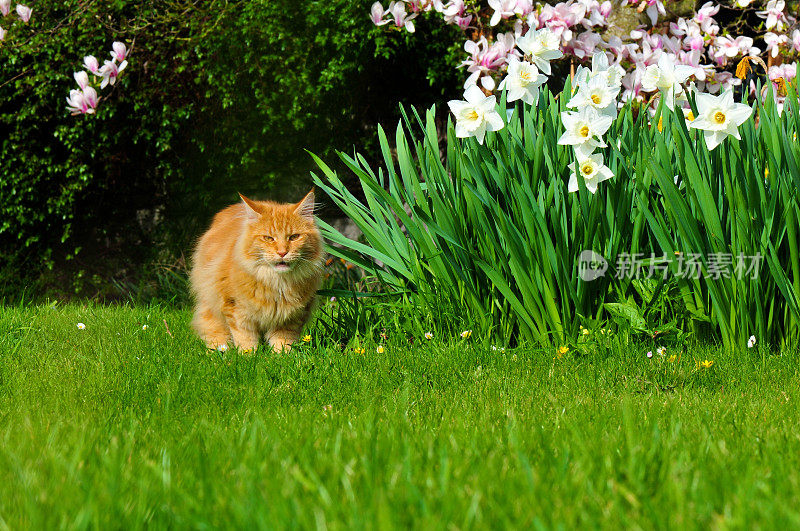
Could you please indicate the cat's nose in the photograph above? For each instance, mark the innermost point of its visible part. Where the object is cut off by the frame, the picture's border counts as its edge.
(282, 253)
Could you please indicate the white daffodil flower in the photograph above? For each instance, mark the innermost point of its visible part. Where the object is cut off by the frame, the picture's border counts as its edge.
(584, 127)
(667, 77)
(719, 116)
(751, 342)
(522, 81)
(476, 115)
(542, 46)
(612, 74)
(598, 94)
(591, 168)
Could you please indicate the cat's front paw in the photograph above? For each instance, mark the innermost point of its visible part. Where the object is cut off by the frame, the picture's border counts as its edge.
(281, 343)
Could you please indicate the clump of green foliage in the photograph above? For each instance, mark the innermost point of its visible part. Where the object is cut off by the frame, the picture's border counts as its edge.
(492, 229)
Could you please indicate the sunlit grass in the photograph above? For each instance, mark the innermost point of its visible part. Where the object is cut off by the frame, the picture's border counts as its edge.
(121, 426)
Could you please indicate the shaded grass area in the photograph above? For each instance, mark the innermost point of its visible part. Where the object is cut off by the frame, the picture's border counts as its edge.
(116, 426)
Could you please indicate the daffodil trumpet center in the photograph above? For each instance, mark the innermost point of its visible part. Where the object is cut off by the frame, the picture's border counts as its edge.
(719, 117)
(596, 99)
(587, 168)
(584, 131)
(472, 115)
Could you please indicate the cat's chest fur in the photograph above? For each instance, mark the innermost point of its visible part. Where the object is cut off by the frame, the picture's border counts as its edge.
(271, 301)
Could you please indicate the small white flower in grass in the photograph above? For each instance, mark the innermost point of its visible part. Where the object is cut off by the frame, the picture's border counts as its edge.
(144, 327)
(542, 46)
(380, 349)
(223, 347)
(429, 335)
(584, 127)
(596, 93)
(24, 13)
(522, 81)
(649, 354)
(476, 115)
(661, 351)
(81, 326)
(719, 116)
(466, 334)
(751, 342)
(591, 168)
(667, 77)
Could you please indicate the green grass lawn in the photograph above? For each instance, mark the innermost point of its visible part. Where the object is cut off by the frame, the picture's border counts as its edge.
(119, 427)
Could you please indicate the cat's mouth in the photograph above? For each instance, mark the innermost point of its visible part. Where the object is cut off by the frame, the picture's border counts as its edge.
(282, 266)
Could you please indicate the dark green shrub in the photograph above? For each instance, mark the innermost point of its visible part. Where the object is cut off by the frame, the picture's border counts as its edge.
(219, 97)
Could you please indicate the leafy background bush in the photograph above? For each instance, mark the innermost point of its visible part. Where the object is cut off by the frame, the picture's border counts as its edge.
(219, 97)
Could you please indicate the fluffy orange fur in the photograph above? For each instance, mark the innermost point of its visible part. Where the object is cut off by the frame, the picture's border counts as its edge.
(255, 274)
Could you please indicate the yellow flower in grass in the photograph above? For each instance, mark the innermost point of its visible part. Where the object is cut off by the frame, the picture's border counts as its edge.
(380, 349)
(560, 351)
(360, 350)
(307, 338)
(705, 364)
(672, 358)
(466, 334)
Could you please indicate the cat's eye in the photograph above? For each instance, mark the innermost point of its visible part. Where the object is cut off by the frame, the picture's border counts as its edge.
(268, 238)
(294, 237)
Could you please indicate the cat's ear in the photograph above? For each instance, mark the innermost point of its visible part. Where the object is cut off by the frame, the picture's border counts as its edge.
(305, 208)
(250, 208)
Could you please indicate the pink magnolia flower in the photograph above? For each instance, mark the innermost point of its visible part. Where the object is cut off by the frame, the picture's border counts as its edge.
(90, 98)
(24, 12)
(90, 63)
(774, 14)
(81, 78)
(584, 45)
(774, 42)
(502, 9)
(2, 34)
(692, 58)
(560, 18)
(796, 40)
(376, 14)
(400, 18)
(119, 51)
(705, 13)
(5, 7)
(655, 8)
(787, 71)
(453, 10)
(463, 22)
(110, 71)
(605, 9)
(76, 103)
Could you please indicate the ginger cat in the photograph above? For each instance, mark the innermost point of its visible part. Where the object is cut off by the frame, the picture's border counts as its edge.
(255, 273)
